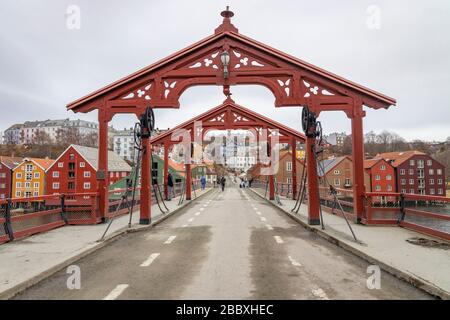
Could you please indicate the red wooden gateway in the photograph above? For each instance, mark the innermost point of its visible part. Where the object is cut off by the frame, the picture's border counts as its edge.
(228, 58)
(230, 116)
(75, 171)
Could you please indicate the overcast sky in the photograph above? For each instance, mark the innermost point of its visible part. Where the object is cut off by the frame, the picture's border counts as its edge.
(44, 65)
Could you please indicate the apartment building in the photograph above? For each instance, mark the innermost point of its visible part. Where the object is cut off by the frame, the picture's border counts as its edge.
(76, 168)
(7, 164)
(337, 171)
(416, 172)
(29, 177)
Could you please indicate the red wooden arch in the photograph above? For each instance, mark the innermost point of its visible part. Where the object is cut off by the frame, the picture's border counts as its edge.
(293, 82)
(229, 116)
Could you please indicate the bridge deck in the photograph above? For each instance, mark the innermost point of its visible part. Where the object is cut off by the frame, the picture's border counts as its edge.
(231, 245)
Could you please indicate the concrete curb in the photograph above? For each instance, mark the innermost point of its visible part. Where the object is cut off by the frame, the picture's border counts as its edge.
(11, 292)
(403, 275)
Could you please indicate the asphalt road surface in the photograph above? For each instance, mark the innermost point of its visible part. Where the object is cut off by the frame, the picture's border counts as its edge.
(226, 245)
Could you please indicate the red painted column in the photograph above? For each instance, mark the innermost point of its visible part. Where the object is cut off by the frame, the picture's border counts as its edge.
(166, 169)
(146, 199)
(294, 167)
(102, 173)
(271, 177)
(271, 187)
(358, 160)
(188, 181)
(313, 186)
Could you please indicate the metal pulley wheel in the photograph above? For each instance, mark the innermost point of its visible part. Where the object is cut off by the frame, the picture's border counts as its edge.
(148, 120)
(137, 133)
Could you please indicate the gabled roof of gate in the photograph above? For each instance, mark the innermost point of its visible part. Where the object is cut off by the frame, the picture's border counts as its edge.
(229, 104)
(229, 31)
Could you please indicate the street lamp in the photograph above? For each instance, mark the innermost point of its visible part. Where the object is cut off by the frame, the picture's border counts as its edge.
(225, 59)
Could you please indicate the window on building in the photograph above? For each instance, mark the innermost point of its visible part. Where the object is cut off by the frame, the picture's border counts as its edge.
(18, 194)
(60, 164)
(432, 191)
(28, 194)
(55, 185)
(336, 172)
(72, 166)
(87, 174)
(411, 181)
(411, 172)
(71, 185)
(27, 184)
(389, 177)
(403, 190)
(439, 181)
(347, 182)
(87, 185)
(440, 191)
(36, 184)
(420, 163)
(71, 156)
(55, 174)
(439, 172)
(289, 180)
(411, 162)
(18, 184)
(431, 181)
(383, 167)
(28, 168)
(402, 172)
(37, 175)
(36, 193)
(378, 187)
(431, 172)
(82, 164)
(2, 196)
(411, 191)
(289, 166)
(19, 175)
(337, 182)
(429, 163)
(389, 187)
(377, 177)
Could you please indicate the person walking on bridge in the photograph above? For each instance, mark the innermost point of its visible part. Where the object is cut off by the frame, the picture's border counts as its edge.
(169, 186)
(222, 182)
(203, 182)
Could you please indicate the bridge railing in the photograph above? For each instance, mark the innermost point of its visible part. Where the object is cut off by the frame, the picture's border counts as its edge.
(22, 217)
(423, 213)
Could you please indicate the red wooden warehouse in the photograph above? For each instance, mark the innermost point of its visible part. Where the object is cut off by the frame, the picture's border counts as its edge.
(75, 171)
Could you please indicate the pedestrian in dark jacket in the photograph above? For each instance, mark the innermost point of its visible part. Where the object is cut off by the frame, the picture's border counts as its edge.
(222, 182)
(169, 186)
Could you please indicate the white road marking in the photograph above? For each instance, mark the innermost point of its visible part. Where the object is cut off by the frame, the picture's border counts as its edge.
(191, 219)
(263, 219)
(184, 225)
(116, 292)
(319, 293)
(269, 227)
(258, 213)
(294, 262)
(278, 239)
(254, 208)
(205, 205)
(149, 260)
(201, 209)
(169, 241)
(197, 213)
